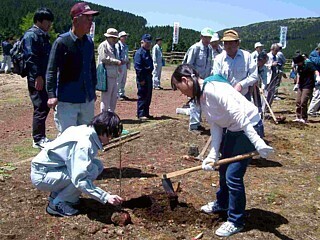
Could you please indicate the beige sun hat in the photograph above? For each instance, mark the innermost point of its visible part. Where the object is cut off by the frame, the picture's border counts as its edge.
(112, 32)
(230, 35)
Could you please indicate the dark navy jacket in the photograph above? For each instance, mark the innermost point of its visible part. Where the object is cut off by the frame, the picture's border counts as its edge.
(71, 73)
(36, 48)
(143, 64)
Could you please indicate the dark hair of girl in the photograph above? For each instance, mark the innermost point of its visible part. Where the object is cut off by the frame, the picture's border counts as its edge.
(107, 123)
(187, 70)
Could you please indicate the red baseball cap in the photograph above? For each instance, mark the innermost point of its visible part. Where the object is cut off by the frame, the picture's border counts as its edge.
(82, 8)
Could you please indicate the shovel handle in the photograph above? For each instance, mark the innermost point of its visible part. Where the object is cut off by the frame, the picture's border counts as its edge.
(220, 162)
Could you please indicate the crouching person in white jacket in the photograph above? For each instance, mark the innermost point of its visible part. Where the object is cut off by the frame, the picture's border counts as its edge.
(67, 166)
(225, 108)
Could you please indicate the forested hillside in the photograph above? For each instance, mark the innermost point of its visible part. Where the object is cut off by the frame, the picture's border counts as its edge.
(303, 34)
(12, 12)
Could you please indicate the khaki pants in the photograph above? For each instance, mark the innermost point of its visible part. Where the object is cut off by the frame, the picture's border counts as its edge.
(303, 97)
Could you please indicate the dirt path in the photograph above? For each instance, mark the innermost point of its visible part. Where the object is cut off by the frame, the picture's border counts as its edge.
(283, 192)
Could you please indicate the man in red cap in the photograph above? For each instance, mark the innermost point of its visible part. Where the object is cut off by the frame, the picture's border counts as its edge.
(71, 72)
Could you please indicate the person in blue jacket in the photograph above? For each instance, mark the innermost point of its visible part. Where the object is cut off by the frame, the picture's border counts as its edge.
(67, 166)
(143, 65)
(36, 48)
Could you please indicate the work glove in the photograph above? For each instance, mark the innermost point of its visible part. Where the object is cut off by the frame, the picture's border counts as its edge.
(296, 87)
(205, 164)
(263, 149)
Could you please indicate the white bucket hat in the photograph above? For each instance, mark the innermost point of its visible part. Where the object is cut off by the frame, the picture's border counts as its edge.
(258, 44)
(112, 32)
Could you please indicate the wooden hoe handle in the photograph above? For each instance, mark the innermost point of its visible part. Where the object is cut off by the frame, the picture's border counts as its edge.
(220, 162)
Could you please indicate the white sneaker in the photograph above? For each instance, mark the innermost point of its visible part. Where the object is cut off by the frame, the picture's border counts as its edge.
(296, 120)
(41, 144)
(227, 229)
(212, 207)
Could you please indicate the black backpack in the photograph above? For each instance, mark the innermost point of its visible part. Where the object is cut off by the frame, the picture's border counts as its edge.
(18, 59)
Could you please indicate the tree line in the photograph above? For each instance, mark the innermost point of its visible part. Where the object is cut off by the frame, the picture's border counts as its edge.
(16, 16)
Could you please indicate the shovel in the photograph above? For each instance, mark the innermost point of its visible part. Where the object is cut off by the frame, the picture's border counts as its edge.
(167, 184)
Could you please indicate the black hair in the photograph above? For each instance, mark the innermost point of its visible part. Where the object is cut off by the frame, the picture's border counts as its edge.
(187, 70)
(262, 56)
(43, 14)
(298, 59)
(107, 123)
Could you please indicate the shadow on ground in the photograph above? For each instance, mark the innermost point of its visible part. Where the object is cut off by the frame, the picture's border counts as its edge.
(137, 121)
(265, 221)
(125, 173)
(264, 163)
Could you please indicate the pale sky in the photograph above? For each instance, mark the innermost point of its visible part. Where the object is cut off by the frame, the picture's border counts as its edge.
(218, 15)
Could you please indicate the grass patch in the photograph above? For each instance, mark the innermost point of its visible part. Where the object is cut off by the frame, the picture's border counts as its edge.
(25, 150)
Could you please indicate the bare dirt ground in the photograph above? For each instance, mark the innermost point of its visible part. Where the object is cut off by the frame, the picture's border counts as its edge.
(283, 191)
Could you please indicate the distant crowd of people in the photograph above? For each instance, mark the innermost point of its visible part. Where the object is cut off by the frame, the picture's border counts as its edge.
(231, 86)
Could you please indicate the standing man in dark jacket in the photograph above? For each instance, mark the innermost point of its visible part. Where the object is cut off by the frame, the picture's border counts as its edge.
(143, 65)
(36, 47)
(71, 73)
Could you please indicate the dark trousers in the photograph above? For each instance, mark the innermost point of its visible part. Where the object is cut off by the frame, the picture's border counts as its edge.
(231, 193)
(144, 97)
(41, 110)
(303, 97)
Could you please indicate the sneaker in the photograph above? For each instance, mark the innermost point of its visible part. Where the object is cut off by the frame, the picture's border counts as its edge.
(41, 143)
(158, 88)
(212, 207)
(296, 120)
(227, 229)
(277, 99)
(143, 118)
(197, 129)
(62, 209)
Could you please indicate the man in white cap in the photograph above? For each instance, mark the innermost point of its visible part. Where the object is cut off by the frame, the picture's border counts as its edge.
(216, 48)
(199, 55)
(107, 55)
(157, 64)
(123, 53)
(258, 49)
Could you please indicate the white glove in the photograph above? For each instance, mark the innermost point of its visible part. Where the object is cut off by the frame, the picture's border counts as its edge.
(318, 79)
(206, 166)
(296, 87)
(263, 149)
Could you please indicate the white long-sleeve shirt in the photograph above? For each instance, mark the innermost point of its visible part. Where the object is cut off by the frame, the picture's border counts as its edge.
(225, 107)
(75, 149)
(240, 69)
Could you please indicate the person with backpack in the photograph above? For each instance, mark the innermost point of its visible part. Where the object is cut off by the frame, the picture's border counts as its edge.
(71, 72)
(199, 55)
(36, 49)
(225, 108)
(108, 55)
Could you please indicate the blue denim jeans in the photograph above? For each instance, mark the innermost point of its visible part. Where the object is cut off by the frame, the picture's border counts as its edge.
(231, 194)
